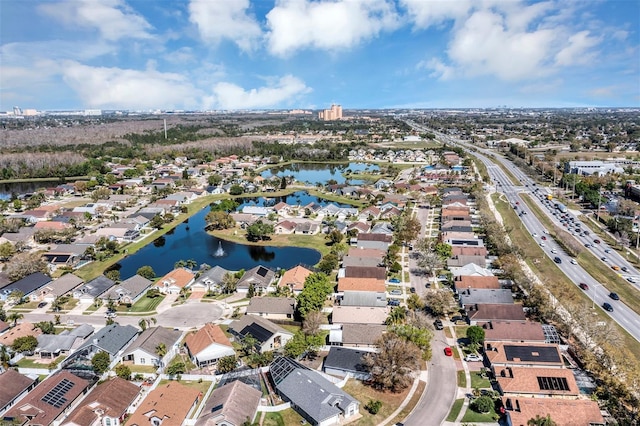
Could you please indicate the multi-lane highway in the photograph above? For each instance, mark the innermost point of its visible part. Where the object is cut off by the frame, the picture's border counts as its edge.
(596, 291)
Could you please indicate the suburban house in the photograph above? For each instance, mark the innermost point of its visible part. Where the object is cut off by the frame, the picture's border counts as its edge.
(345, 361)
(294, 278)
(513, 331)
(371, 272)
(51, 346)
(537, 382)
(272, 307)
(27, 285)
(508, 354)
(564, 412)
(144, 350)
(20, 330)
(13, 386)
(210, 280)
(128, 291)
(473, 296)
(374, 241)
(363, 298)
(269, 335)
(233, 404)
(60, 287)
(207, 345)
(314, 397)
(359, 315)
(166, 405)
(48, 401)
(356, 335)
(260, 276)
(175, 281)
(361, 284)
(106, 404)
(463, 282)
(494, 312)
(93, 289)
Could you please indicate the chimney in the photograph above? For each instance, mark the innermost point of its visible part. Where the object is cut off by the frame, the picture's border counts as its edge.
(517, 405)
(510, 372)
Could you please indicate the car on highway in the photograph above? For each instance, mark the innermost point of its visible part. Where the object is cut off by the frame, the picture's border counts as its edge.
(448, 351)
(574, 262)
(543, 237)
(587, 245)
(557, 259)
(438, 324)
(604, 259)
(615, 267)
(624, 269)
(554, 251)
(541, 244)
(607, 250)
(614, 296)
(535, 235)
(473, 358)
(596, 241)
(631, 280)
(607, 307)
(583, 286)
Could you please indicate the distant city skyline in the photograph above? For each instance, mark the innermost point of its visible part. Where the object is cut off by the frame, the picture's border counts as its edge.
(303, 54)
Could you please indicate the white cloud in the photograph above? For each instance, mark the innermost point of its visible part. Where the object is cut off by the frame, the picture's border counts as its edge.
(577, 51)
(114, 19)
(438, 68)
(340, 24)
(282, 90)
(219, 19)
(129, 89)
(427, 13)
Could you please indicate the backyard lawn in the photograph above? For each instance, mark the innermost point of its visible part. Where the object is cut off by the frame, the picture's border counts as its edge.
(363, 393)
(145, 304)
(282, 418)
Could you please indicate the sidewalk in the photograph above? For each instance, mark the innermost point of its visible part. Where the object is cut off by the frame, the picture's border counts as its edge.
(422, 376)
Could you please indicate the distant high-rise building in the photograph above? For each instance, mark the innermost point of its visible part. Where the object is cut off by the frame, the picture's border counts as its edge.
(335, 113)
(17, 110)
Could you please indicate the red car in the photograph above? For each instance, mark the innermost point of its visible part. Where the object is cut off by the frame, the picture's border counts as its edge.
(448, 351)
(543, 237)
(583, 286)
(596, 241)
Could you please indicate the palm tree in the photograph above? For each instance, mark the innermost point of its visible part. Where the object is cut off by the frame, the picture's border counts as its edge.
(144, 323)
(161, 351)
(4, 357)
(14, 317)
(541, 421)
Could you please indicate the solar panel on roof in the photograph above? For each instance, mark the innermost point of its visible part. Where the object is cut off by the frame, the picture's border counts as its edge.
(262, 271)
(56, 396)
(553, 383)
(532, 353)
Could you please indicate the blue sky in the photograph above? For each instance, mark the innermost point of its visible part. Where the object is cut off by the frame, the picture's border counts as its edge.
(285, 54)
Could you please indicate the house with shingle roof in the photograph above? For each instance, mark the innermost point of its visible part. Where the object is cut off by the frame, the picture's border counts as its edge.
(106, 404)
(359, 315)
(233, 404)
(207, 345)
(512, 354)
(464, 282)
(45, 404)
(346, 361)
(175, 281)
(261, 277)
(491, 311)
(473, 296)
(60, 287)
(13, 386)
(314, 397)
(210, 280)
(363, 298)
(270, 336)
(166, 405)
(93, 289)
(514, 331)
(285, 227)
(128, 291)
(27, 285)
(537, 381)
(564, 412)
(143, 350)
(272, 307)
(356, 335)
(370, 272)
(294, 278)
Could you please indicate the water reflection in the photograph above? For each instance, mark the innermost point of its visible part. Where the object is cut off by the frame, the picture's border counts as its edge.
(261, 254)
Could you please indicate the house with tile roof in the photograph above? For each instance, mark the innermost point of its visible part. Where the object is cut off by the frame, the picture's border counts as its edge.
(272, 307)
(48, 401)
(515, 354)
(536, 381)
(175, 281)
(13, 386)
(20, 330)
(233, 404)
(361, 284)
(356, 335)
(143, 350)
(563, 412)
(479, 313)
(375, 272)
(294, 278)
(359, 315)
(106, 404)
(166, 405)
(314, 397)
(513, 331)
(270, 336)
(463, 282)
(207, 345)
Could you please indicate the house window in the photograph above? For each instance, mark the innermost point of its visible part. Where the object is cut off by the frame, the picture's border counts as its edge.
(142, 361)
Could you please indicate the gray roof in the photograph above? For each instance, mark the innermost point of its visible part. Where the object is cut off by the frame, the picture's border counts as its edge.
(363, 298)
(214, 275)
(28, 284)
(481, 296)
(260, 276)
(54, 343)
(149, 339)
(65, 284)
(315, 396)
(132, 287)
(68, 248)
(346, 359)
(361, 334)
(96, 286)
(236, 402)
(112, 338)
(260, 328)
(82, 331)
(360, 261)
(271, 305)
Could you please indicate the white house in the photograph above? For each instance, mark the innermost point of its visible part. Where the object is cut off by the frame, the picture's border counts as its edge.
(208, 345)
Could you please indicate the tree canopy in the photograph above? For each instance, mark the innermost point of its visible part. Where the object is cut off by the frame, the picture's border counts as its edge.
(312, 297)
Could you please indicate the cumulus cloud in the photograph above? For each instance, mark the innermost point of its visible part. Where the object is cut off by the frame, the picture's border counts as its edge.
(327, 25)
(217, 20)
(578, 49)
(282, 90)
(114, 19)
(103, 87)
(427, 13)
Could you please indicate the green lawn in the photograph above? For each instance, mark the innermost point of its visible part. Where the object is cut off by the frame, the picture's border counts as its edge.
(363, 393)
(455, 410)
(471, 416)
(477, 381)
(462, 379)
(146, 304)
(37, 363)
(142, 368)
(273, 419)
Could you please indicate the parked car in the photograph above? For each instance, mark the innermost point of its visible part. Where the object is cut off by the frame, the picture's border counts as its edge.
(607, 307)
(394, 280)
(393, 302)
(473, 358)
(438, 324)
(614, 296)
(448, 351)
(42, 304)
(583, 286)
(412, 289)
(396, 292)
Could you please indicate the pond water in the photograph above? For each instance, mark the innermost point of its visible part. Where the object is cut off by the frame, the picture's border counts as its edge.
(297, 198)
(315, 173)
(189, 240)
(8, 190)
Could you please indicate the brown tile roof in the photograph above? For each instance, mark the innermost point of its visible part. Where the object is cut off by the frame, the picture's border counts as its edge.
(493, 311)
(563, 412)
(361, 284)
(112, 397)
(359, 315)
(51, 225)
(170, 403)
(523, 354)
(366, 252)
(12, 384)
(375, 237)
(206, 336)
(538, 381)
(179, 277)
(376, 272)
(468, 281)
(361, 334)
(32, 410)
(234, 402)
(295, 277)
(20, 330)
(514, 331)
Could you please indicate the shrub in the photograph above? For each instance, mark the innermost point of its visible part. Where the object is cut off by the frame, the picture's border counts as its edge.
(373, 406)
(482, 404)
